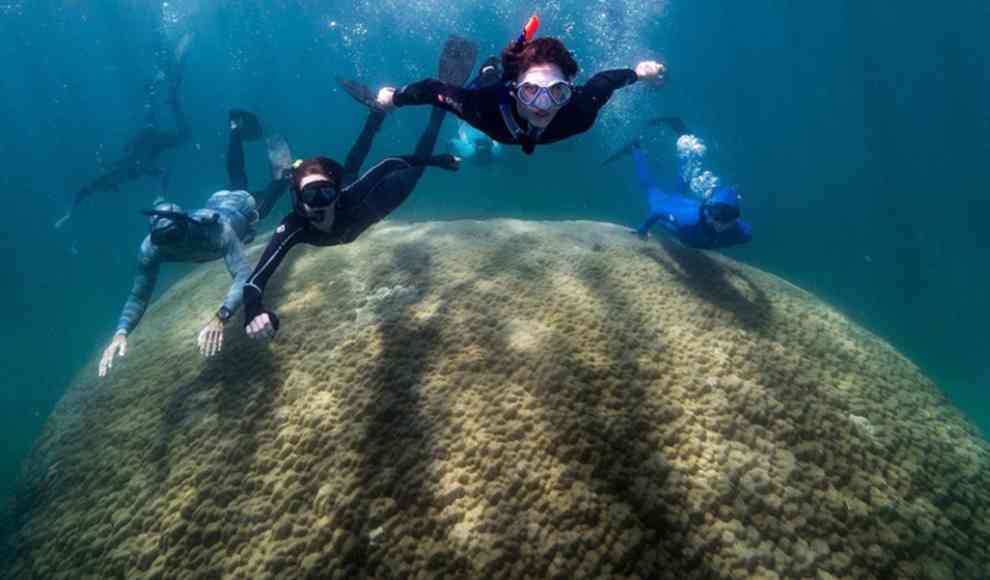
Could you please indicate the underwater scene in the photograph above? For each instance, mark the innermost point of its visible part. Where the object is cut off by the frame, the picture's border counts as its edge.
(558, 289)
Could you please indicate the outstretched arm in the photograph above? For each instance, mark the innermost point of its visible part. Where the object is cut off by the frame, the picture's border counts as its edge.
(210, 339)
(378, 173)
(593, 95)
(144, 285)
(289, 233)
(137, 303)
(465, 103)
(239, 270)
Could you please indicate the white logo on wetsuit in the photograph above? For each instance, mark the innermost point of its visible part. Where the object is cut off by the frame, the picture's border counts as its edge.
(280, 229)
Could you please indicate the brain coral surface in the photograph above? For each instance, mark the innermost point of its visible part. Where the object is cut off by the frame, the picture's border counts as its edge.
(507, 399)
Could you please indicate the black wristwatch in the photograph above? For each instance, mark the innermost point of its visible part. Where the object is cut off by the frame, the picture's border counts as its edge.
(224, 314)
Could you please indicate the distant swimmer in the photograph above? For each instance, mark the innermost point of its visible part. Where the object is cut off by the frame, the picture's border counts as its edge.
(331, 207)
(707, 222)
(142, 152)
(535, 101)
(474, 146)
(216, 231)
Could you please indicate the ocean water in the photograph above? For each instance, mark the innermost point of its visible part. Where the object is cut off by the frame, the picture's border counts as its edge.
(857, 131)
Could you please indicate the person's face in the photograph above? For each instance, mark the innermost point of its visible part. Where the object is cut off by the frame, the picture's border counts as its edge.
(720, 217)
(167, 232)
(541, 111)
(319, 200)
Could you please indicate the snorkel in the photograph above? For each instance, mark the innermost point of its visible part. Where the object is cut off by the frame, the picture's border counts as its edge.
(528, 31)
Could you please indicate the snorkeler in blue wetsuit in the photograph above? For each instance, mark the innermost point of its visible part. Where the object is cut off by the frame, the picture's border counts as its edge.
(708, 223)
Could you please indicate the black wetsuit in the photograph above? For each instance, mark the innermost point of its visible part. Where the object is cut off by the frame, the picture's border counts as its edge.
(486, 108)
(142, 152)
(237, 174)
(362, 203)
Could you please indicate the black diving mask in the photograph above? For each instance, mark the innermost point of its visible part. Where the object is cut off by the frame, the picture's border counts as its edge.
(171, 227)
(320, 194)
(722, 213)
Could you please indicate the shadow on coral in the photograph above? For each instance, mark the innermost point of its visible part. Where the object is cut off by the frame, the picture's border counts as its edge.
(707, 279)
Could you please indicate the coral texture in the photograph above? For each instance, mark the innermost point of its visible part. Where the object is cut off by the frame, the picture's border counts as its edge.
(508, 399)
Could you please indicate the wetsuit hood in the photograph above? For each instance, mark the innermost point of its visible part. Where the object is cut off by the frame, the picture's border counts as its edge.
(170, 225)
(722, 206)
(725, 195)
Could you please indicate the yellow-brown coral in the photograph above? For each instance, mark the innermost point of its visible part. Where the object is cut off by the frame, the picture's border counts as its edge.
(508, 399)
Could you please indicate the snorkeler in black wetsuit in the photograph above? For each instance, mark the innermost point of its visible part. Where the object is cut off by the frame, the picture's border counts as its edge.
(536, 102)
(331, 208)
(142, 152)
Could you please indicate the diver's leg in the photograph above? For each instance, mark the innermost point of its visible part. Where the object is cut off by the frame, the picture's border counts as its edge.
(280, 162)
(267, 199)
(391, 191)
(236, 173)
(646, 180)
(359, 151)
(175, 74)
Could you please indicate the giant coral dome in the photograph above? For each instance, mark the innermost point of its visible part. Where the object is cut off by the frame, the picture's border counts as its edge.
(508, 399)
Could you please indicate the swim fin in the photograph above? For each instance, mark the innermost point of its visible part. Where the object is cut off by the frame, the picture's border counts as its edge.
(360, 93)
(674, 123)
(626, 150)
(248, 124)
(279, 157)
(457, 60)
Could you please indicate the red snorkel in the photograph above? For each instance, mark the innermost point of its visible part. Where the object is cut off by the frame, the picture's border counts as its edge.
(529, 31)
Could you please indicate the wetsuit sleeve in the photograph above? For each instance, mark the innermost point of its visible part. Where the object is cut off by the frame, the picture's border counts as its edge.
(238, 267)
(593, 95)
(144, 285)
(465, 103)
(289, 233)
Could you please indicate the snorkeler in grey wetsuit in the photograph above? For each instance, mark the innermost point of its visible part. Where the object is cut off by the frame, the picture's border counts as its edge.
(142, 152)
(218, 230)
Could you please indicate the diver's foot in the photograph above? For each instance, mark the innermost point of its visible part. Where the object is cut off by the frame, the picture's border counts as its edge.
(361, 93)
(457, 60)
(446, 161)
(247, 123)
(61, 222)
(279, 156)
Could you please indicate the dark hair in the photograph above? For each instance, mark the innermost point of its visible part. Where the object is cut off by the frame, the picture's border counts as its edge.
(317, 166)
(518, 58)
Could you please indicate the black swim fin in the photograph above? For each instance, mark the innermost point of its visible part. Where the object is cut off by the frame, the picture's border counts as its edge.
(360, 93)
(247, 123)
(626, 150)
(457, 60)
(674, 123)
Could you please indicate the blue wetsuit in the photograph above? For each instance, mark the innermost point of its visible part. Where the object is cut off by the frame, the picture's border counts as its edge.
(681, 215)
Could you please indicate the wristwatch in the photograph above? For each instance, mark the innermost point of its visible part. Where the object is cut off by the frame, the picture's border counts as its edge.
(224, 314)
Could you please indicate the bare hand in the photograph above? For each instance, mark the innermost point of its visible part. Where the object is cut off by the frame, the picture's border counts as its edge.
(384, 99)
(261, 328)
(118, 347)
(211, 338)
(650, 70)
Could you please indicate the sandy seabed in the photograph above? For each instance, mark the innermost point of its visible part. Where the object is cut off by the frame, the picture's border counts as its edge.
(507, 399)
